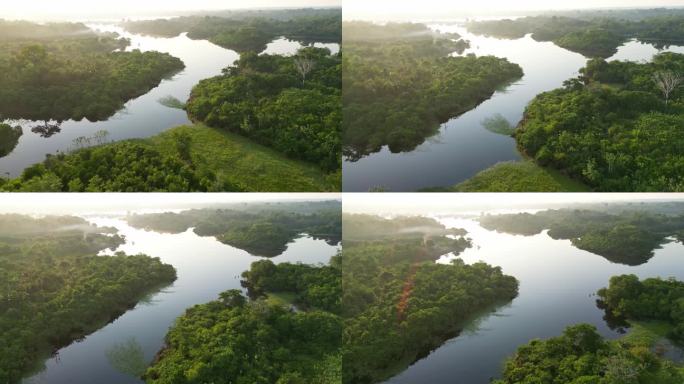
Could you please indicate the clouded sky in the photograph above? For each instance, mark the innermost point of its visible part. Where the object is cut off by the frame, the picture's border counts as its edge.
(32, 9)
(385, 9)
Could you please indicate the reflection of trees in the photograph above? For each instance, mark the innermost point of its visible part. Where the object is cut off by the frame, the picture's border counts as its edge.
(100, 137)
(127, 357)
(47, 129)
(9, 138)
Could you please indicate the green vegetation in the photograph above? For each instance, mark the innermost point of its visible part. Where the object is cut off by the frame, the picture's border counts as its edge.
(582, 356)
(183, 159)
(398, 303)
(264, 232)
(233, 340)
(288, 103)
(626, 238)
(9, 138)
(521, 176)
(597, 35)
(651, 299)
(401, 83)
(56, 290)
(250, 31)
(66, 71)
(613, 127)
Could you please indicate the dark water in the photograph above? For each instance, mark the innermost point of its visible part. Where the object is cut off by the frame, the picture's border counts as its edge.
(462, 148)
(205, 268)
(143, 116)
(557, 284)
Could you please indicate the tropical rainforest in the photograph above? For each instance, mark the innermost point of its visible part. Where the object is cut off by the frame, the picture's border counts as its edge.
(628, 237)
(582, 356)
(651, 299)
(289, 103)
(250, 31)
(616, 127)
(592, 35)
(401, 83)
(261, 232)
(263, 340)
(55, 289)
(398, 304)
(66, 71)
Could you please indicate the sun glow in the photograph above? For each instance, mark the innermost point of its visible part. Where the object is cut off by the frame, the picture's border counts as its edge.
(415, 9)
(77, 9)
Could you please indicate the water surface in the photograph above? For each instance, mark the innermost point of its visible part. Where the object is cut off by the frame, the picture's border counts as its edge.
(557, 287)
(462, 147)
(144, 116)
(205, 267)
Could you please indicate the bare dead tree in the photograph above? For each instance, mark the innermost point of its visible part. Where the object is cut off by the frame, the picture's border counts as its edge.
(667, 82)
(304, 66)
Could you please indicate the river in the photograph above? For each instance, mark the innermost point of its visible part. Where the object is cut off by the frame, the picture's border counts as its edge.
(205, 267)
(557, 287)
(143, 116)
(462, 147)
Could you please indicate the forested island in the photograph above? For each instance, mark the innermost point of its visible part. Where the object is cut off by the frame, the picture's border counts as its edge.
(393, 311)
(581, 355)
(288, 103)
(67, 71)
(55, 290)
(261, 232)
(401, 83)
(289, 332)
(592, 34)
(628, 237)
(615, 127)
(250, 31)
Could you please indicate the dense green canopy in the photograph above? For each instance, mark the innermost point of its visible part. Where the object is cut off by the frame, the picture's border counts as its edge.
(400, 84)
(612, 127)
(650, 299)
(57, 290)
(289, 103)
(398, 303)
(581, 356)
(233, 340)
(47, 74)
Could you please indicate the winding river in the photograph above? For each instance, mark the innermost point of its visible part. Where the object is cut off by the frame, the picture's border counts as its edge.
(143, 116)
(557, 287)
(205, 267)
(462, 147)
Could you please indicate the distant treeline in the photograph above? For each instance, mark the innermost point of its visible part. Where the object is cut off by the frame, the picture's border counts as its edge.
(261, 233)
(244, 32)
(621, 237)
(592, 36)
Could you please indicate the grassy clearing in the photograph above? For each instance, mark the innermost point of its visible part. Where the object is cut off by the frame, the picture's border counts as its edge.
(523, 176)
(247, 165)
(646, 333)
(285, 299)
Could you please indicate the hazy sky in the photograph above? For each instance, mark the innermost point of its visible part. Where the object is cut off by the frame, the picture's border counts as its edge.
(31, 9)
(403, 203)
(75, 203)
(386, 9)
